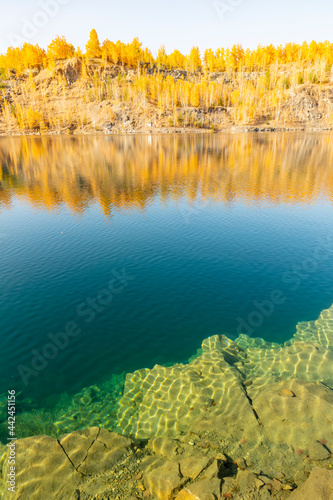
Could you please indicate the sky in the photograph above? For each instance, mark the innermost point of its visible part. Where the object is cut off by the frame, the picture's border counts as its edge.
(177, 24)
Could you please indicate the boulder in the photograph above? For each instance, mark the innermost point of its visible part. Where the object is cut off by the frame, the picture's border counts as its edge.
(318, 486)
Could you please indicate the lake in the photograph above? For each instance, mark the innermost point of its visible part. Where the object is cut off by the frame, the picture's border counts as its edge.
(121, 252)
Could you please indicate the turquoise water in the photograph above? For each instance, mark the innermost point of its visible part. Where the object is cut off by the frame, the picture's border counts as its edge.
(201, 229)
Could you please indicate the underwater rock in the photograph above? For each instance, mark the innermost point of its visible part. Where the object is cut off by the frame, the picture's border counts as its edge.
(42, 470)
(105, 452)
(50, 468)
(186, 495)
(318, 452)
(301, 360)
(298, 420)
(95, 450)
(286, 392)
(165, 481)
(213, 471)
(192, 466)
(165, 447)
(318, 486)
(204, 489)
(247, 482)
(319, 331)
(167, 401)
(77, 444)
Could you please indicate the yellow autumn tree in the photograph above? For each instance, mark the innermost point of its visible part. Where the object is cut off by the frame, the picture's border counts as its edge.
(93, 47)
(162, 58)
(194, 59)
(210, 60)
(18, 59)
(176, 60)
(59, 48)
(134, 52)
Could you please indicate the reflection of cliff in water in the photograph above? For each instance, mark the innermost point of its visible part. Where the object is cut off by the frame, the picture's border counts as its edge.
(125, 172)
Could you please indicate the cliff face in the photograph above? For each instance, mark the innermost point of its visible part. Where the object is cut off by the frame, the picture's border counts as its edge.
(75, 98)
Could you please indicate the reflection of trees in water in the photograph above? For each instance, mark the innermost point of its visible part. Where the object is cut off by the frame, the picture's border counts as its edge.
(130, 171)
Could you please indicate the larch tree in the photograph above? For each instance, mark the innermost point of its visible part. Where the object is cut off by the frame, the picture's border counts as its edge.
(59, 48)
(162, 58)
(194, 59)
(93, 47)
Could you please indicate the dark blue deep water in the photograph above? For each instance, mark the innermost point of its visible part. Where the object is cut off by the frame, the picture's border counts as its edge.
(195, 232)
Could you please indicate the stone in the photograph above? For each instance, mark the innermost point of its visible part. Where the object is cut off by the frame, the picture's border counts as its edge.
(319, 331)
(318, 486)
(192, 466)
(108, 127)
(280, 475)
(259, 483)
(307, 414)
(206, 394)
(277, 485)
(106, 450)
(165, 481)
(72, 69)
(301, 360)
(286, 392)
(43, 470)
(228, 484)
(213, 471)
(287, 487)
(186, 495)
(77, 443)
(163, 446)
(247, 481)
(265, 479)
(152, 462)
(318, 452)
(240, 462)
(205, 489)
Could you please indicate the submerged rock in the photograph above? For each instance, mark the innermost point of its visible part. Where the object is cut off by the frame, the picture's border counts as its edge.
(318, 486)
(43, 470)
(319, 331)
(213, 426)
(207, 393)
(299, 420)
(48, 468)
(317, 451)
(165, 481)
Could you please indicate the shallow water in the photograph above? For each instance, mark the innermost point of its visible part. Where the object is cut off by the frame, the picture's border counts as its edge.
(200, 235)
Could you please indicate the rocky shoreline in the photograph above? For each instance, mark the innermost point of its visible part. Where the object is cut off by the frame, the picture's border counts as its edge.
(163, 130)
(244, 419)
(96, 464)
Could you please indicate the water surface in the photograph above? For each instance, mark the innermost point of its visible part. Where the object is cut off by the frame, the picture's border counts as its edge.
(204, 228)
